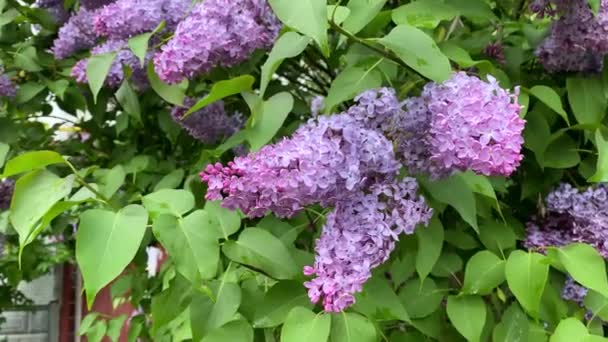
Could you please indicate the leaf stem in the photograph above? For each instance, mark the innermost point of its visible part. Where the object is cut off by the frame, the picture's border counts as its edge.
(382, 51)
(84, 183)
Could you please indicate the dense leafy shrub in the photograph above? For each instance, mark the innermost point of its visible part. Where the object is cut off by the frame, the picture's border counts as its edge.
(314, 170)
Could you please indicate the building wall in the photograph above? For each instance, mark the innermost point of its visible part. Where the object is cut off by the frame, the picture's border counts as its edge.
(40, 322)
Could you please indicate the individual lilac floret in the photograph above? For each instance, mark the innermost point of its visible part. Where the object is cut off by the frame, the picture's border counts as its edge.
(7, 187)
(578, 40)
(7, 87)
(216, 33)
(572, 216)
(574, 292)
(77, 34)
(358, 236)
(126, 18)
(461, 124)
(116, 74)
(209, 124)
(323, 160)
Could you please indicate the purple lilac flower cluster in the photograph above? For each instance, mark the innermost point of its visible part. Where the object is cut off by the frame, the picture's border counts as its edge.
(126, 18)
(77, 34)
(359, 235)
(572, 216)
(7, 87)
(7, 187)
(461, 124)
(209, 124)
(323, 160)
(572, 291)
(578, 39)
(216, 33)
(342, 161)
(115, 76)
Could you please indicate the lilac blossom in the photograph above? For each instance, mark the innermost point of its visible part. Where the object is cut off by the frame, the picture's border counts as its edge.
(461, 124)
(572, 291)
(7, 87)
(126, 18)
(572, 216)
(115, 76)
(77, 34)
(578, 40)
(7, 187)
(323, 160)
(358, 236)
(209, 124)
(216, 33)
(495, 51)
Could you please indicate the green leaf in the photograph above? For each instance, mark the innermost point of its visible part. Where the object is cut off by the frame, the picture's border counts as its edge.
(4, 149)
(278, 302)
(361, 13)
(173, 94)
(87, 322)
(223, 89)
(526, 275)
(587, 99)
(114, 327)
(270, 119)
(262, 250)
(351, 82)
(351, 327)
(28, 91)
(97, 331)
(420, 298)
(447, 265)
(127, 97)
(169, 201)
(27, 59)
(473, 9)
(597, 303)
(430, 244)
(303, 325)
(537, 135)
(35, 193)
(424, 13)
(306, 16)
(31, 161)
(601, 173)
(112, 181)
(514, 326)
(289, 45)
(455, 192)
(497, 236)
(419, 52)
(484, 272)
(561, 153)
(468, 315)
(593, 274)
(207, 315)
(225, 222)
(171, 302)
(171, 181)
(337, 13)
(98, 67)
(549, 97)
(378, 301)
(595, 6)
(106, 243)
(191, 243)
(569, 330)
(139, 44)
(235, 331)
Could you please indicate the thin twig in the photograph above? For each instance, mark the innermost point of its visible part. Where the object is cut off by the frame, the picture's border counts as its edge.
(84, 183)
